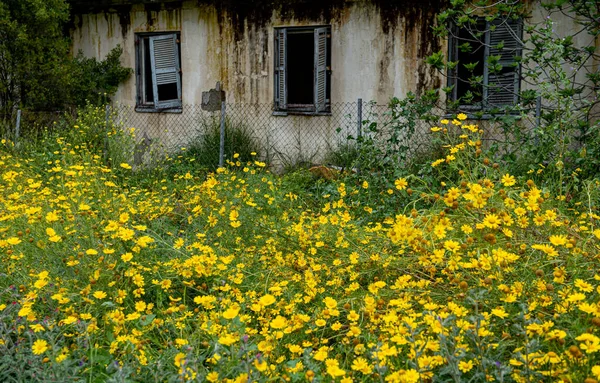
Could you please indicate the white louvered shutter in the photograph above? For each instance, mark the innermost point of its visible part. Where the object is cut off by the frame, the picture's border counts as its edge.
(503, 87)
(280, 69)
(320, 69)
(164, 59)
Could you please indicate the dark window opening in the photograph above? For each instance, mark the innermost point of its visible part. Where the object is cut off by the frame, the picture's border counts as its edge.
(303, 70)
(301, 51)
(486, 75)
(471, 52)
(158, 72)
(148, 89)
(167, 92)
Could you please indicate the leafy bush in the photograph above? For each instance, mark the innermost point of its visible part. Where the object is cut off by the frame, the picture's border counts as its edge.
(96, 81)
(553, 127)
(240, 145)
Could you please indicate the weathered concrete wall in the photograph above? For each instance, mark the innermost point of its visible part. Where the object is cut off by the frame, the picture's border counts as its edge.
(377, 51)
(375, 55)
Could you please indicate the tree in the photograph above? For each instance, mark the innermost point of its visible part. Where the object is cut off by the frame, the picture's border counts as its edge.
(34, 52)
(36, 68)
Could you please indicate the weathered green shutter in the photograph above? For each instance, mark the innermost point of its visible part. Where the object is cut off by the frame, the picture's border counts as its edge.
(164, 58)
(280, 69)
(320, 69)
(502, 88)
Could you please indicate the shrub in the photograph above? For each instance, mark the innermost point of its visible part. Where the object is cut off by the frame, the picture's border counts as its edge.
(205, 148)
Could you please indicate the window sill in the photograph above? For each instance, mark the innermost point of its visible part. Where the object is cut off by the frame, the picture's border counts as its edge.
(478, 113)
(283, 113)
(152, 109)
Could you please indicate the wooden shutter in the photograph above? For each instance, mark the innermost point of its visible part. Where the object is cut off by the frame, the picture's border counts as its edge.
(280, 69)
(164, 59)
(502, 88)
(320, 69)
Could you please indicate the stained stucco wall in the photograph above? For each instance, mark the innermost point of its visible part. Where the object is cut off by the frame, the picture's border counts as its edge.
(375, 55)
(377, 51)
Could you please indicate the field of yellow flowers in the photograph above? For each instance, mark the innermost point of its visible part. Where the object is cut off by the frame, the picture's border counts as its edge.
(233, 277)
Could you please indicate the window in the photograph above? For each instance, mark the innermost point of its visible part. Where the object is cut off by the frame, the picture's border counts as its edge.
(487, 70)
(302, 70)
(158, 72)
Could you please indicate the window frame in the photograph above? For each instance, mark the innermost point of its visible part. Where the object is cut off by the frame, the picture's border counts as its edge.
(321, 104)
(157, 106)
(493, 30)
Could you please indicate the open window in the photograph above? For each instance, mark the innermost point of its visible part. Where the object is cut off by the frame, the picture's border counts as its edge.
(487, 71)
(302, 70)
(158, 72)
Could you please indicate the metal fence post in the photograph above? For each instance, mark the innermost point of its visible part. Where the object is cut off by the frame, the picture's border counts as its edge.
(18, 128)
(359, 125)
(538, 111)
(222, 137)
(106, 130)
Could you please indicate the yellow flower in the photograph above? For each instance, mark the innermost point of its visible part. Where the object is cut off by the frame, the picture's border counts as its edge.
(40, 346)
(70, 320)
(362, 365)
(508, 180)
(499, 312)
(330, 303)
(465, 366)
(558, 240)
(231, 312)
(279, 322)
(212, 376)
(492, 221)
(461, 116)
(61, 357)
(179, 359)
(140, 306)
(353, 316)
(452, 246)
(333, 368)
(125, 165)
(99, 294)
(267, 300)
(401, 183)
(227, 340)
(13, 241)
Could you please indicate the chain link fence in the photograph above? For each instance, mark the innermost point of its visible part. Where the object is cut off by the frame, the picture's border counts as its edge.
(280, 140)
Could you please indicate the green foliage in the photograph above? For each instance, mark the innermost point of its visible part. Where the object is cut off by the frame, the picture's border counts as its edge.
(36, 69)
(559, 78)
(95, 81)
(33, 53)
(387, 142)
(204, 149)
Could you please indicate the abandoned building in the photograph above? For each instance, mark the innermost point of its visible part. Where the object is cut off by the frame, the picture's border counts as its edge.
(295, 69)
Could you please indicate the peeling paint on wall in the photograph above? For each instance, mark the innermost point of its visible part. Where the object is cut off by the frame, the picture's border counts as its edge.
(232, 42)
(377, 51)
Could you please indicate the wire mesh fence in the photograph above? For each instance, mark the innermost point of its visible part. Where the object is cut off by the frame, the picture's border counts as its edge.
(280, 140)
(254, 131)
